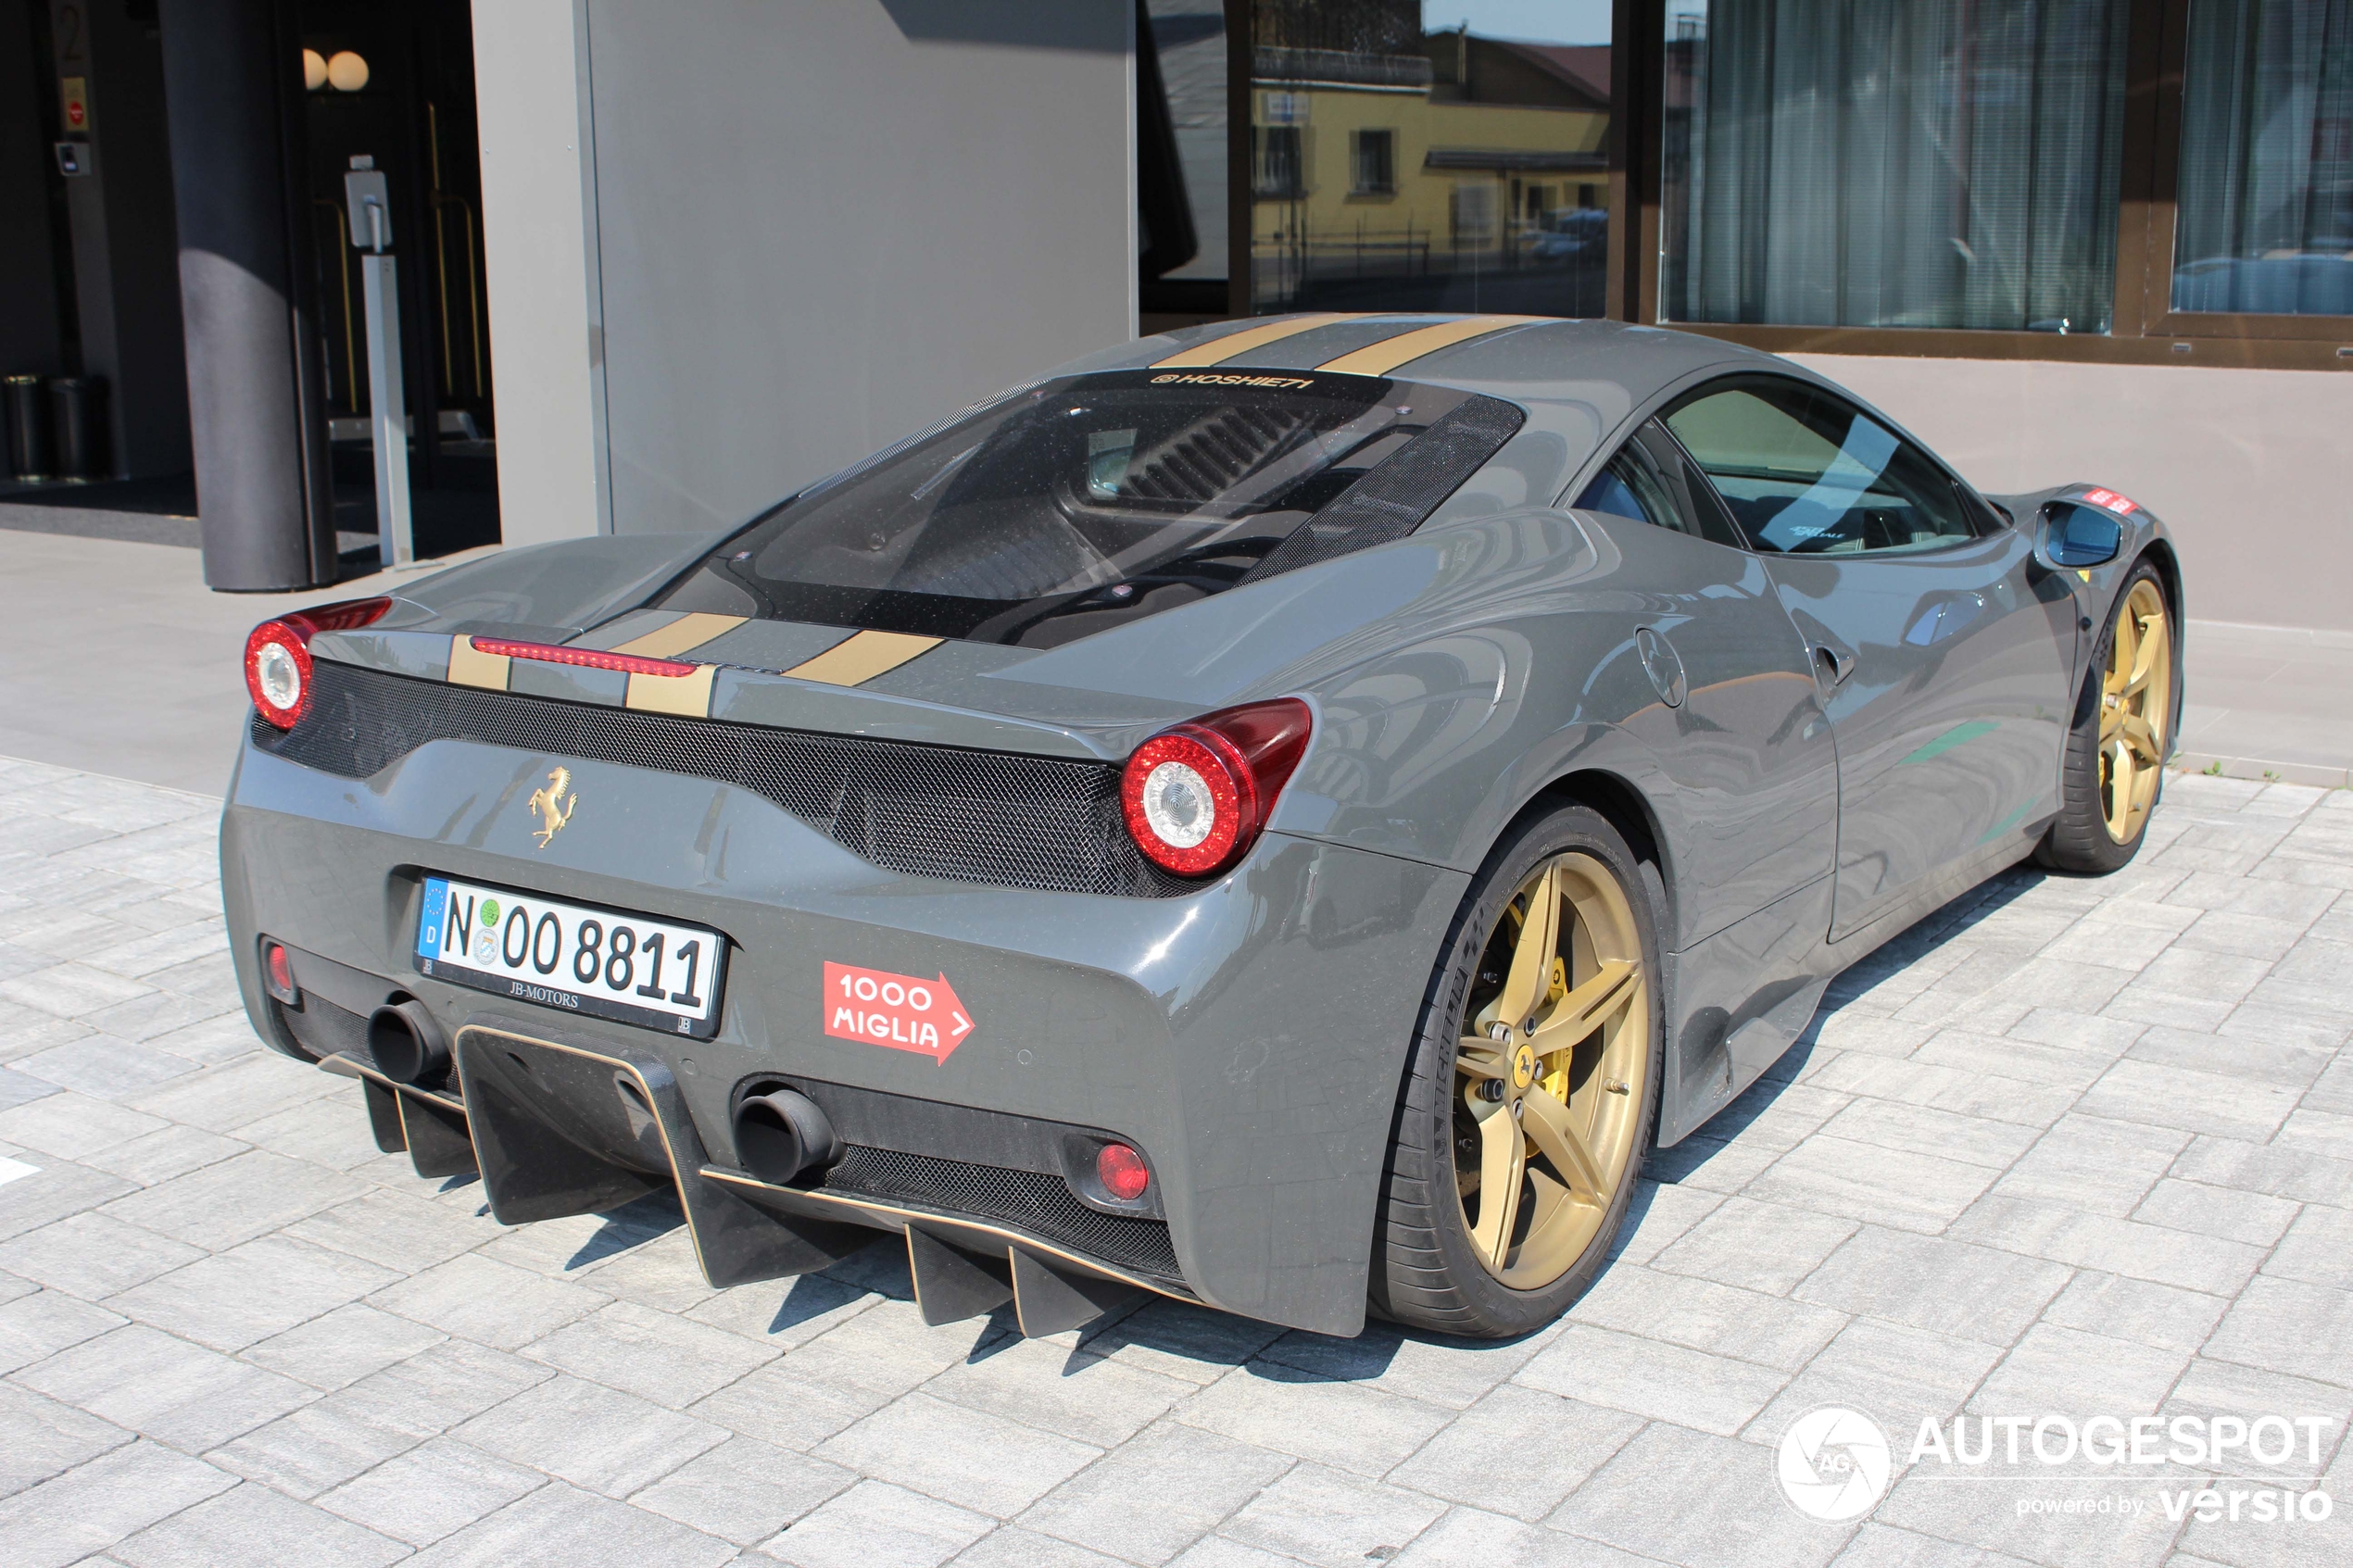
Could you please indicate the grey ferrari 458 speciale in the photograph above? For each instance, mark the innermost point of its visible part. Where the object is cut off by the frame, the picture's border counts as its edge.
(1285, 815)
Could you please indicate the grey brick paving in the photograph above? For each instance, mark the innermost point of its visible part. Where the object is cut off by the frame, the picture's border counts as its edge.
(2070, 1148)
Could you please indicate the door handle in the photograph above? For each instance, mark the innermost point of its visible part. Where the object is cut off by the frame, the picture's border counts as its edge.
(1831, 666)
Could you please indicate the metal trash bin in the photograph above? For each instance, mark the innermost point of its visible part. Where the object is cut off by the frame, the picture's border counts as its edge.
(28, 428)
(79, 405)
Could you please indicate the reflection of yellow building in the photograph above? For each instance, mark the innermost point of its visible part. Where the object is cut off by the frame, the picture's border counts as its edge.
(1476, 153)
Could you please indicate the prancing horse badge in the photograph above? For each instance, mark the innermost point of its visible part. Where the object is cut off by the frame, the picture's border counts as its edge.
(552, 806)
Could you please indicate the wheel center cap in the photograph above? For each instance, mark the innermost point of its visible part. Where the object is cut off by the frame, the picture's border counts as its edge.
(1523, 1066)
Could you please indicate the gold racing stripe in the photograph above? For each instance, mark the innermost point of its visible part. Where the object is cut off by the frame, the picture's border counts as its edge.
(468, 668)
(687, 695)
(689, 631)
(1386, 355)
(1216, 351)
(862, 656)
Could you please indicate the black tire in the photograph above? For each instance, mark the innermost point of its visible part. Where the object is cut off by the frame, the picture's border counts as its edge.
(2078, 840)
(1426, 1273)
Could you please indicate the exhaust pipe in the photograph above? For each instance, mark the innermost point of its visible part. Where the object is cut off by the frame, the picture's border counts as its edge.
(407, 1041)
(782, 1135)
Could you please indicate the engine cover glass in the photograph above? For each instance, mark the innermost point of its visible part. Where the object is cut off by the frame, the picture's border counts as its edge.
(1069, 506)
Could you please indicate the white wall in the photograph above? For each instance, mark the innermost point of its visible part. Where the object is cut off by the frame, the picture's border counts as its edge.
(806, 228)
(536, 221)
(2252, 470)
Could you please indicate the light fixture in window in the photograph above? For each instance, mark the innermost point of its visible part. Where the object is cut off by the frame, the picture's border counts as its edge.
(346, 73)
(314, 70)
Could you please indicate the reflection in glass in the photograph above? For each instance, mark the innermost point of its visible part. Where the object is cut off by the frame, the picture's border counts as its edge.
(1910, 163)
(2266, 214)
(1451, 157)
(1075, 505)
(1186, 44)
(1806, 475)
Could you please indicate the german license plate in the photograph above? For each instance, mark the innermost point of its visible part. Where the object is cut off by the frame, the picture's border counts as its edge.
(608, 962)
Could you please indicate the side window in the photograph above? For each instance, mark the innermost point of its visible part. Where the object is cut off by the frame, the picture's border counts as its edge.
(1648, 481)
(1628, 488)
(1805, 473)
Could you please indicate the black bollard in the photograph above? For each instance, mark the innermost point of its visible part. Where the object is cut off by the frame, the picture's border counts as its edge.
(27, 429)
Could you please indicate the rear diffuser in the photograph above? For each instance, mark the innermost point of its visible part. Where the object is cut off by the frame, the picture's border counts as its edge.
(562, 1127)
(428, 1124)
(963, 1268)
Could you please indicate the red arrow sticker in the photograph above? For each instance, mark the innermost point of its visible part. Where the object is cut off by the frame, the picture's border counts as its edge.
(897, 1010)
(2113, 501)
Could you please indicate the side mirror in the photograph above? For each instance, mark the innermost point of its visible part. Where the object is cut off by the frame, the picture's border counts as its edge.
(2074, 536)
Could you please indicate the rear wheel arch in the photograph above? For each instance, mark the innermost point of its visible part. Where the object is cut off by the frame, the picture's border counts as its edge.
(1620, 804)
(1431, 1266)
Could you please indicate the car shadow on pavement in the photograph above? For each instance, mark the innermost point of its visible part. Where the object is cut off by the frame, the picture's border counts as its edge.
(1917, 942)
(1201, 1344)
(631, 1225)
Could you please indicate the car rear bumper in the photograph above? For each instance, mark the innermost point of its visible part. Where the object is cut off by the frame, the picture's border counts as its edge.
(1248, 1038)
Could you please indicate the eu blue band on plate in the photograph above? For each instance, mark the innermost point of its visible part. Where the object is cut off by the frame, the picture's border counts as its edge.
(432, 919)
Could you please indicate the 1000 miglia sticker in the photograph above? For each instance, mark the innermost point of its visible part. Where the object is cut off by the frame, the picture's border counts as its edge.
(897, 1010)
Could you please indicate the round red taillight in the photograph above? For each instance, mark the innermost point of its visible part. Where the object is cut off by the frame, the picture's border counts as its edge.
(1122, 1170)
(1196, 796)
(1185, 796)
(281, 969)
(278, 653)
(278, 672)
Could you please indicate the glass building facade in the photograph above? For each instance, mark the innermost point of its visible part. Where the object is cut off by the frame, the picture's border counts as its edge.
(1910, 176)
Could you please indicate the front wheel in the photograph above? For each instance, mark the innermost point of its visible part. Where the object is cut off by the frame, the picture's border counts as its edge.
(1532, 1090)
(2115, 763)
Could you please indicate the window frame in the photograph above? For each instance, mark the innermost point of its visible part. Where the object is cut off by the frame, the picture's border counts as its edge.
(2164, 217)
(1360, 141)
(1264, 183)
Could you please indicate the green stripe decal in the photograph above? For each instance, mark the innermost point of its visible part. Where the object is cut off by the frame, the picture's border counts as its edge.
(2010, 821)
(1958, 735)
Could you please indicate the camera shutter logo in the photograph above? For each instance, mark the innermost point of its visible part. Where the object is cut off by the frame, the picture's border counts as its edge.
(1834, 1463)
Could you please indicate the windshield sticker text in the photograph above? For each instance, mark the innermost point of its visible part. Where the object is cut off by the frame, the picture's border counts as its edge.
(1210, 379)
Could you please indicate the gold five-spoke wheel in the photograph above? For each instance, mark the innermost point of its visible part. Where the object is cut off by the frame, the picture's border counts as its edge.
(2136, 701)
(1551, 1069)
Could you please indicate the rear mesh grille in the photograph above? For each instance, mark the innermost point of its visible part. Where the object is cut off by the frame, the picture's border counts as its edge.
(994, 817)
(1040, 1204)
(323, 1029)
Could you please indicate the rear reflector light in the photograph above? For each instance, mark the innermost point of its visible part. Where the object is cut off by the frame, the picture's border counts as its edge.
(278, 969)
(587, 659)
(278, 655)
(1195, 796)
(1122, 1170)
